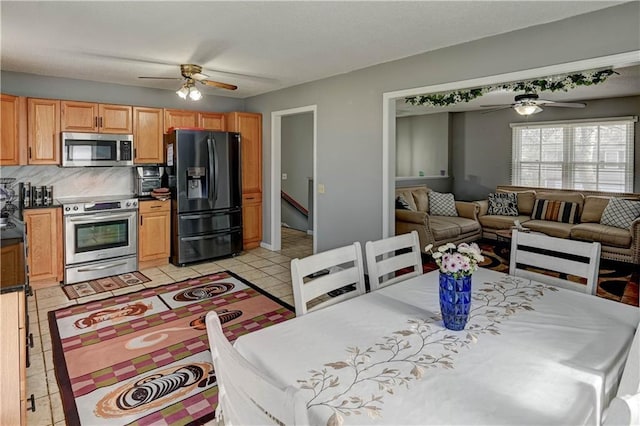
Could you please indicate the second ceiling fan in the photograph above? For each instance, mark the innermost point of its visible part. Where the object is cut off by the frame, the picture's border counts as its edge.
(530, 103)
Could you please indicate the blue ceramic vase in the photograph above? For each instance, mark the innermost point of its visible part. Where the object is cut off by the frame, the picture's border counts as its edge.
(455, 300)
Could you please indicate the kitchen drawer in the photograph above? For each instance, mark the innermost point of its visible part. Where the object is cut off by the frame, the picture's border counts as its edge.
(153, 206)
(208, 246)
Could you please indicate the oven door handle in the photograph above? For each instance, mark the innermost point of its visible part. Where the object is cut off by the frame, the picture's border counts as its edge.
(100, 268)
(92, 218)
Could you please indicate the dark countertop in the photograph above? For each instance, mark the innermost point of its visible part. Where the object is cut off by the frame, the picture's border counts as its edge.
(53, 205)
(12, 233)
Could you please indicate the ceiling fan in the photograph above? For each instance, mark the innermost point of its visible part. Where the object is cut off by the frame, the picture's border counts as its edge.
(192, 73)
(530, 103)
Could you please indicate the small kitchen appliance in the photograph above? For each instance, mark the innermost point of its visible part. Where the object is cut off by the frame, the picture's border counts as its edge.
(146, 179)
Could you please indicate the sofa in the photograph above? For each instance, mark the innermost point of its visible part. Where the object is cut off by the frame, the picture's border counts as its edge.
(435, 229)
(617, 243)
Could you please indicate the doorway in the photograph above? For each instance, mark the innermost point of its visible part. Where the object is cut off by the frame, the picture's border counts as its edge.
(298, 177)
(389, 115)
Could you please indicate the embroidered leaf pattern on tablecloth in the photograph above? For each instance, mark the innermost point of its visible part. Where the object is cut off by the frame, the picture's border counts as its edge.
(406, 355)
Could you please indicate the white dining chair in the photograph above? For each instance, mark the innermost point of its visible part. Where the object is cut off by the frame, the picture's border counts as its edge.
(313, 277)
(393, 259)
(624, 409)
(560, 255)
(247, 396)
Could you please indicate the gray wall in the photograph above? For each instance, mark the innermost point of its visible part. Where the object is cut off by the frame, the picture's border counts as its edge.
(349, 109)
(422, 143)
(297, 162)
(37, 86)
(482, 142)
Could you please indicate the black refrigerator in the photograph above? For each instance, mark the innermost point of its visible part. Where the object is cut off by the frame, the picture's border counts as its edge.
(203, 173)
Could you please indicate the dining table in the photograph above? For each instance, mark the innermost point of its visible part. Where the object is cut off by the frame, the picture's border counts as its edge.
(530, 353)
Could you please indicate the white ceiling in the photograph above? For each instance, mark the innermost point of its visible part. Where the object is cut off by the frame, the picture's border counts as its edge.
(258, 46)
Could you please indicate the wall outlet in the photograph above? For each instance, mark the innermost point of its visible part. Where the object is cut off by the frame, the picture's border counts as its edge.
(320, 188)
(284, 176)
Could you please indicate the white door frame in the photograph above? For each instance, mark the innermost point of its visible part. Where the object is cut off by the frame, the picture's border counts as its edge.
(389, 113)
(276, 171)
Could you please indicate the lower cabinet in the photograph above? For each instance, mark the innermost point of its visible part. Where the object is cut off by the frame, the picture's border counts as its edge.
(154, 233)
(44, 246)
(13, 360)
(251, 220)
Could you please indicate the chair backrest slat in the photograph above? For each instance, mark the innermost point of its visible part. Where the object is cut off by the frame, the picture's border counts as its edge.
(247, 396)
(559, 255)
(385, 267)
(314, 276)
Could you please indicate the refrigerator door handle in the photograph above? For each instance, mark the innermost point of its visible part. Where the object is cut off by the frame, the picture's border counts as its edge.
(213, 166)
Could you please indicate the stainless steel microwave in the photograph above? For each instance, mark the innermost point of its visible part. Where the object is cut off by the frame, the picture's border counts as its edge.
(96, 149)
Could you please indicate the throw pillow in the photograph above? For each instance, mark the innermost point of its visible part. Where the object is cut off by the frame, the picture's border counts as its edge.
(620, 213)
(401, 203)
(556, 211)
(503, 204)
(442, 204)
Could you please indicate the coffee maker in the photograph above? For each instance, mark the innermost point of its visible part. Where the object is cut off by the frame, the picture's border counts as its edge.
(146, 179)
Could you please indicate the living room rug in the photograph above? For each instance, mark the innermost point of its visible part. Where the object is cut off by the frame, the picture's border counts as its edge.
(616, 280)
(89, 288)
(143, 358)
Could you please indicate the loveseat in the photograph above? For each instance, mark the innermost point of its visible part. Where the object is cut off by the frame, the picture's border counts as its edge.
(459, 224)
(584, 216)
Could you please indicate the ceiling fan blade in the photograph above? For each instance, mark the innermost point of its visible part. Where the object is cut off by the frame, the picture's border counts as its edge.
(164, 78)
(565, 104)
(501, 107)
(199, 76)
(496, 106)
(218, 84)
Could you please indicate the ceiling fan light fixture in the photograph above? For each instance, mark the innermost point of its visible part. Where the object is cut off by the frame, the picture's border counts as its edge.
(194, 94)
(527, 108)
(183, 91)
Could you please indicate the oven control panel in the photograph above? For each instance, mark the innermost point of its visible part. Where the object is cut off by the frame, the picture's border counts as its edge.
(99, 206)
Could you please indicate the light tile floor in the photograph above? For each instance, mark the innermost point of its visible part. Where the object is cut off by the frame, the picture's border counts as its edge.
(268, 270)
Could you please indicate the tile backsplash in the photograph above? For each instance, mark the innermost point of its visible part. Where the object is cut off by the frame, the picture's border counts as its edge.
(75, 181)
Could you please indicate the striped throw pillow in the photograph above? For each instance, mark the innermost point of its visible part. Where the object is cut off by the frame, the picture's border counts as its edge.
(556, 211)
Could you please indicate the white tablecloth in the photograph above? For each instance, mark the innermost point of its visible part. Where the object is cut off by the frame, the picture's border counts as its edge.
(530, 354)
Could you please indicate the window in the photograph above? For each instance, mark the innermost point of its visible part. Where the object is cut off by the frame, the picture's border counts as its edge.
(595, 155)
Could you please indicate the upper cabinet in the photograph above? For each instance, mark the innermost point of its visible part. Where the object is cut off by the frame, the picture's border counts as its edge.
(249, 125)
(96, 118)
(179, 118)
(9, 130)
(212, 121)
(148, 131)
(43, 135)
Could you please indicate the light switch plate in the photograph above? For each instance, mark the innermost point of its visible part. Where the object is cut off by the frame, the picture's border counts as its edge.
(321, 188)
(284, 176)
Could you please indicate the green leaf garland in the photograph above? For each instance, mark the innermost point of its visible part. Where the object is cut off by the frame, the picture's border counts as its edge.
(551, 84)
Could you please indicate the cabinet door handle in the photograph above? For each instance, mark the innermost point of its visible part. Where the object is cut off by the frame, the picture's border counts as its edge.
(155, 207)
(95, 121)
(32, 403)
(100, 121)
(31, 340)
(140, 220)
(29, 152)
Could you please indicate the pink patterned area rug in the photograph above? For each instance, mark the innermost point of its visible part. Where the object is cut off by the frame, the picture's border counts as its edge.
(144, 359)
(114, 282)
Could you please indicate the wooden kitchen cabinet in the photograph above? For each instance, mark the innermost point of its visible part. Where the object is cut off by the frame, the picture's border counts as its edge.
(96, 118)
(154, 233)
(249, 125)
(44, 246)
(212, 121)
(179, 118)
(12, 265)
(13, 359)
(10, 130)
(148, 130)
(43, 131)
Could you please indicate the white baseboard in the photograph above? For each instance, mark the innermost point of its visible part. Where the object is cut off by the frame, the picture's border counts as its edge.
(266, 246)
(309, 231)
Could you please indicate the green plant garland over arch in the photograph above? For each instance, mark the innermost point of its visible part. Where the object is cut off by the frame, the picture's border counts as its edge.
(552, 84)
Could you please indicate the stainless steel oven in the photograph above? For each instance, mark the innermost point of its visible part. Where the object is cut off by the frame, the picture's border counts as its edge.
(101, 238)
